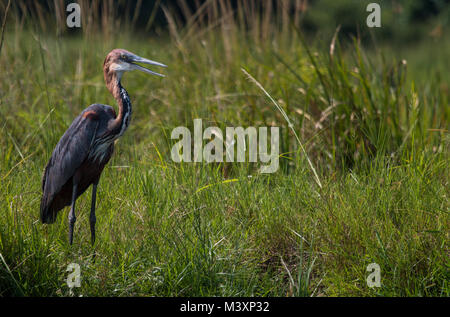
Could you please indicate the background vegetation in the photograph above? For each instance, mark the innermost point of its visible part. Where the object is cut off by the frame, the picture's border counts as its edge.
(369, 106)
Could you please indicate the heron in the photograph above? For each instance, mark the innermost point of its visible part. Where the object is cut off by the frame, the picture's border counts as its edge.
(81, 154)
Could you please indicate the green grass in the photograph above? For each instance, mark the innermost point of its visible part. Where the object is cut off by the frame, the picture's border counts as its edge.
(377, 138)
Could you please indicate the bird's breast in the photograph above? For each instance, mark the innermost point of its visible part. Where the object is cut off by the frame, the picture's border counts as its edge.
(101, 151)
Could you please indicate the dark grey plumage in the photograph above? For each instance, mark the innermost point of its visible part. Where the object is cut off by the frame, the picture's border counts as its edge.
(72, 150)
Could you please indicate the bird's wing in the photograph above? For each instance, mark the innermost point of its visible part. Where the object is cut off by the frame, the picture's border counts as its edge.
(70, 152)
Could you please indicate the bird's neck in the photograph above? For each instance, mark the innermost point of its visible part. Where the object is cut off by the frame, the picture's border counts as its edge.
(121, 122)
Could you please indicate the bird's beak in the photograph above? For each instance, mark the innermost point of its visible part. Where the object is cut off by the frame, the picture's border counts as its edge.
(137, 59)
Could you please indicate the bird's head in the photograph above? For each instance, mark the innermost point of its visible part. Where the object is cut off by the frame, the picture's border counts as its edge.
(119, 61)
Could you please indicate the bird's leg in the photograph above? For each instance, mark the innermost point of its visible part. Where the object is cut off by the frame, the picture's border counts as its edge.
(72, 217)
(92, 218)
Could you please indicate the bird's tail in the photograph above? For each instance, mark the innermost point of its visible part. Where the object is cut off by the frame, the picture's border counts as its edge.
(48, 215)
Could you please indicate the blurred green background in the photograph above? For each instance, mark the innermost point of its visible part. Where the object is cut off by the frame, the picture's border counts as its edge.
(402, 21)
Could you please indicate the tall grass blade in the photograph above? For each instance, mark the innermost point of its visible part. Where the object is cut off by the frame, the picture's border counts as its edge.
(291, 126)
